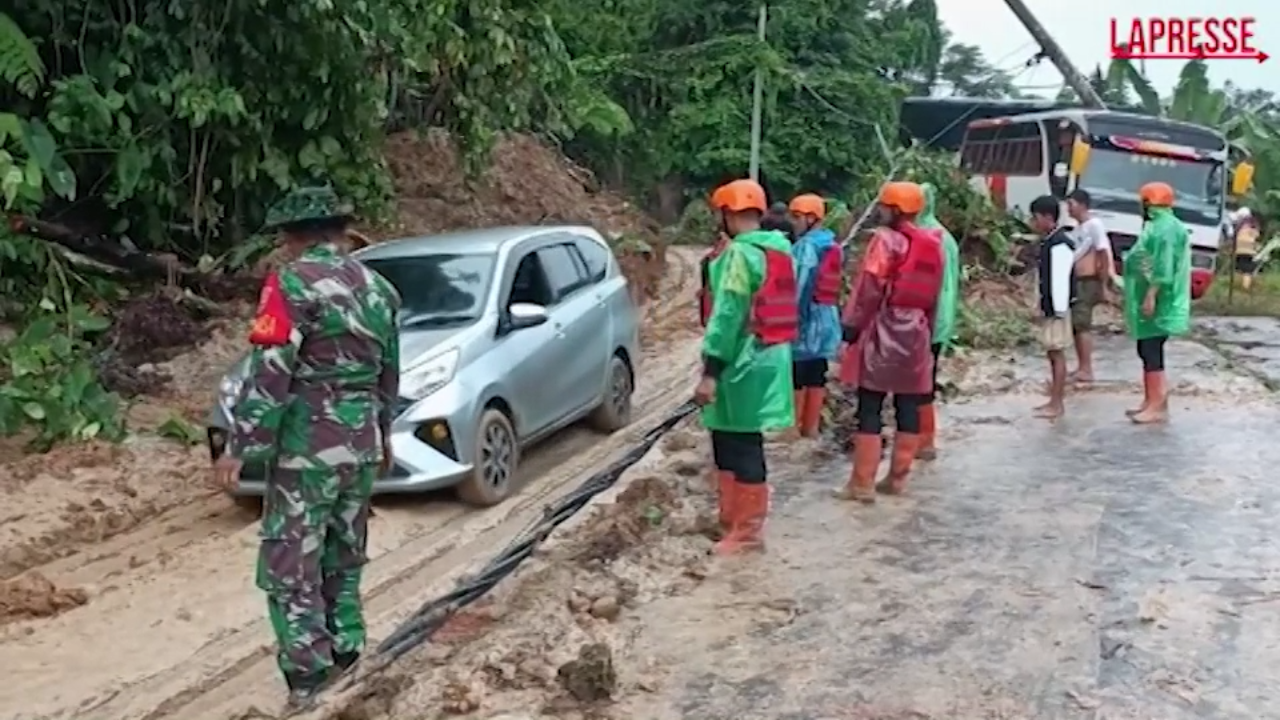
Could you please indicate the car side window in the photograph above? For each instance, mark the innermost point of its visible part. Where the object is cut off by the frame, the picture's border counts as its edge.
(596, 256)
(529, 283)
(562, 269)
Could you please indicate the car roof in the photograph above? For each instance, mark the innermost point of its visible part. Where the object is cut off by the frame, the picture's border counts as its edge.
(481, 241)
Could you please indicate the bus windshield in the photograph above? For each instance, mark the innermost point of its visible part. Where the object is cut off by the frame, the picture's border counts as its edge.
(1113, 177)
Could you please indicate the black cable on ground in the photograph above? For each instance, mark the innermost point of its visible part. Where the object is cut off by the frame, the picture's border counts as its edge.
(428, 618)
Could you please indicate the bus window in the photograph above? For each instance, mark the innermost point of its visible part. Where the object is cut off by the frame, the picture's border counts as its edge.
(1009, 149)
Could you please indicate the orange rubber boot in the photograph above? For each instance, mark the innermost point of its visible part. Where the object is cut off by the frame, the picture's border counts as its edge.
(811, 420)
(928, 432)
(1146, 396)
(801, 397)
(727, 490)
(746, 531)
(905, 447)
(1157, 409)
(866, 461)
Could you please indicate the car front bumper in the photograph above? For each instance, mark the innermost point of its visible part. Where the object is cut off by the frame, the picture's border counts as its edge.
(427, 440)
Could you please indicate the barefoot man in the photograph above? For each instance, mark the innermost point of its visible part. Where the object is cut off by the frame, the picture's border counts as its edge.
(1056, 284)
(1094, 268)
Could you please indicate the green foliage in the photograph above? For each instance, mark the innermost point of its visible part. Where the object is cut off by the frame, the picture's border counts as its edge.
(966, 213)
(48, 385)
(20, 64)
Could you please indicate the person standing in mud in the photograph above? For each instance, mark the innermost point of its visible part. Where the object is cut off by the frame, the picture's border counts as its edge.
(1056, 296)
(317, 409)
(890, 318)
(945, 315)
(820, 276)
(1157, 295)
(745, 389)
(1093, 271)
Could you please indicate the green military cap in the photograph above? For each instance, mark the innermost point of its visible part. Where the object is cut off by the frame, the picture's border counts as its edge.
(305, 204)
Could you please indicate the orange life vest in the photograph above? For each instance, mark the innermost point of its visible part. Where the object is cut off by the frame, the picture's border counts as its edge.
(826, 289)
(918, 279)
(775, 319)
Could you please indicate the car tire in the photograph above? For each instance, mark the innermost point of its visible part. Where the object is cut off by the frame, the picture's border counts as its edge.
(614, 412)
(497, 455)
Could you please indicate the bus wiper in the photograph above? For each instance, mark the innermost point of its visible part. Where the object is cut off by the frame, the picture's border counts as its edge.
(434, 320)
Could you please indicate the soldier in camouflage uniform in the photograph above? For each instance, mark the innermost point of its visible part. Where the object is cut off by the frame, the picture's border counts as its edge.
(317, 408)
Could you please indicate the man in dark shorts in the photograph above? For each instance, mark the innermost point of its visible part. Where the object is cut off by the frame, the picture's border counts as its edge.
(1094, 267)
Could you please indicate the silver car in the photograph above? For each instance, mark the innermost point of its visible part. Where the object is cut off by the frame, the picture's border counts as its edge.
(506, 335)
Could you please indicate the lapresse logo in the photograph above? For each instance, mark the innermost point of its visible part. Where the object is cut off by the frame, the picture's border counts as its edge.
(1186, 38)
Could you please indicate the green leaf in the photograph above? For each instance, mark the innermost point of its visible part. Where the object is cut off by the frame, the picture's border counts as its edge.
(11, 185)
(33, 410)
(39, 143)
(61, 179)
(130, 163)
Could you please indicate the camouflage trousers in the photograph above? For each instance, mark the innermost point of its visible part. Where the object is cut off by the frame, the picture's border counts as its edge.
(315, 528)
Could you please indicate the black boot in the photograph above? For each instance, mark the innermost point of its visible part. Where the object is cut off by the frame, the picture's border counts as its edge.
(344, 661)
(305, 687)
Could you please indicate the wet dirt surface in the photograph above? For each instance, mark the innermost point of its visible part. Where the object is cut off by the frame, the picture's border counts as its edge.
(1253, 342)
(1087, 568)
(161, 568)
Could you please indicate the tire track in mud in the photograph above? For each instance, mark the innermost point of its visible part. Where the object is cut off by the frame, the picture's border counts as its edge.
(233, 668)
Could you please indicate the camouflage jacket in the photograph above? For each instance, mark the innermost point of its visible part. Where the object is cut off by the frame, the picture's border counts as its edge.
(325, 370)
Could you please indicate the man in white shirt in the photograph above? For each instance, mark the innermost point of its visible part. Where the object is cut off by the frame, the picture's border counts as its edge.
(1094, 267)
(1057, 291)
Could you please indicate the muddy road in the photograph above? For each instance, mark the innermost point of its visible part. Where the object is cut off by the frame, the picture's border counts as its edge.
(1084, 569)
(130, 590)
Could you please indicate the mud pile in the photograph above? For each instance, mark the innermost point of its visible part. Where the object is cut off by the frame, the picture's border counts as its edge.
(35, 596)
(552, 639)
(525, 182)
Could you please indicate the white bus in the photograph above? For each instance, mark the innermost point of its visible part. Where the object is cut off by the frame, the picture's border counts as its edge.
(1110, 154)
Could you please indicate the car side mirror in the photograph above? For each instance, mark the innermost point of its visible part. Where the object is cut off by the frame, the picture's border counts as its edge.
(525, 315)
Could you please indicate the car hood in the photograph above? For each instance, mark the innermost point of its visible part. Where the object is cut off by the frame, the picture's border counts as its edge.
(417, 345)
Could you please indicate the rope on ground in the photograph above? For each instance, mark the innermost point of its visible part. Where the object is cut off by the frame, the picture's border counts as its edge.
(428, 618)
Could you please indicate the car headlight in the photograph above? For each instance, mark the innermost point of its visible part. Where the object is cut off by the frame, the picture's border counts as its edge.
(427, 377)
(229, 390)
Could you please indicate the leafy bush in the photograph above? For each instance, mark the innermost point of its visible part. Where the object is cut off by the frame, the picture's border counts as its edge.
(48, 385)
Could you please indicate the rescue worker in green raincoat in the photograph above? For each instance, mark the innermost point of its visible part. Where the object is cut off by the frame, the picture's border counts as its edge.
(316, 408)
(745, 388)
(944, 321)
(1157, 295)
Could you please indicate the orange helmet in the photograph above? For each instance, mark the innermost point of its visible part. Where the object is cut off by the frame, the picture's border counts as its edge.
(1157, 193)
(905, 197)
(738, 196)
(808, 204)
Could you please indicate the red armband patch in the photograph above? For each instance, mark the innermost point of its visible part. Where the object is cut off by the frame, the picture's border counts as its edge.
(272, 326)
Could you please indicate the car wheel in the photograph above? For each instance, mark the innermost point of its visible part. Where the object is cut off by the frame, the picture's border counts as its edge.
(614, 413)
(497, 453)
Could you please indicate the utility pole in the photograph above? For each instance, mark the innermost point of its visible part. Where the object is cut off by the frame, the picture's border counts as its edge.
(757, 102)
(1050, 49)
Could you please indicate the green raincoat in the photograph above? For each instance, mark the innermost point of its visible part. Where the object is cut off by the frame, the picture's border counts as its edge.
(944, 323)
(753, 393)
(1161, 258)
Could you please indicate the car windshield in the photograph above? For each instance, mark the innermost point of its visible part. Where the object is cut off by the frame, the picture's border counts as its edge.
(1113, 178)
(442, 289)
